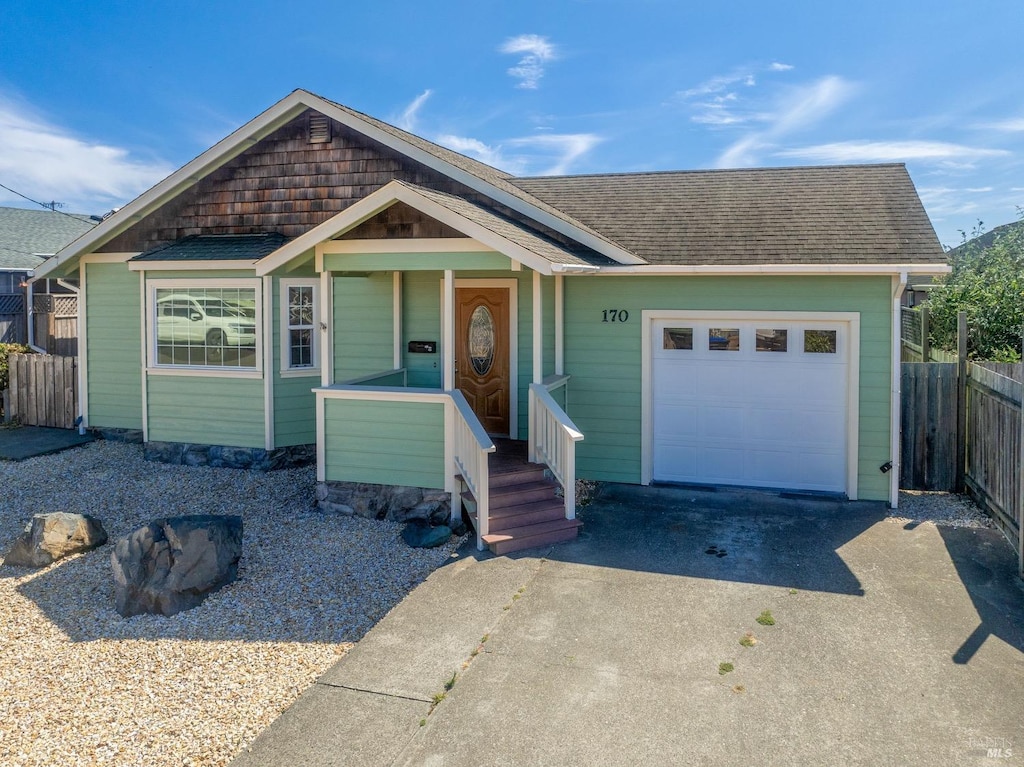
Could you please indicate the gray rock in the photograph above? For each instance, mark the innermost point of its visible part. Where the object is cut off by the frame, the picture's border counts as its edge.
(419, 535)
(49, 537)
(173, 564)
(396, 503)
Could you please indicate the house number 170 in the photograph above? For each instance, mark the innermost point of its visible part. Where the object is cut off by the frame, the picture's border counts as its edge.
(615, 315)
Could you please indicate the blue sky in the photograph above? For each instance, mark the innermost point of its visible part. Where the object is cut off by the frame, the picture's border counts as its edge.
(100, 100)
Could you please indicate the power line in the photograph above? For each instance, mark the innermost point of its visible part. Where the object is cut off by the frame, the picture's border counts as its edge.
(40, 204)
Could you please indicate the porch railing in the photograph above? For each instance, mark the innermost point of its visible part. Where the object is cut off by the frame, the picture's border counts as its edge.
(470, 450)
(553, 438)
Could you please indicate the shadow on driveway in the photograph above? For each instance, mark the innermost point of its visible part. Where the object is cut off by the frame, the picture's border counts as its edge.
(724, 534)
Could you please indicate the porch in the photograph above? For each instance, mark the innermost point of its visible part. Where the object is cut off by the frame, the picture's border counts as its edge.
(517, 494)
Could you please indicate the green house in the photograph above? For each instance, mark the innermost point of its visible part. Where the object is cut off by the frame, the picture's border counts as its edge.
(322, 285)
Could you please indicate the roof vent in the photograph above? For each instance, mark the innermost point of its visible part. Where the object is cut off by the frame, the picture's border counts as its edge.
(319, 127)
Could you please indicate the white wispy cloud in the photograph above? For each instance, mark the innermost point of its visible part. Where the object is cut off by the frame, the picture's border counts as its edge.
(548, 154)
(561, 150)
(889, 151)
(407, 120)
(1010, 125)
(796, 110)
(536, 51)
(46, 161)
(722, 100)
(492, 155)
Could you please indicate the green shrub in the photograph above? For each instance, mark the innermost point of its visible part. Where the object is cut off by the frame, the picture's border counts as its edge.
(6, 349)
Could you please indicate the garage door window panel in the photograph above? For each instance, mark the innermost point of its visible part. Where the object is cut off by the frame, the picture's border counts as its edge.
(724, 339)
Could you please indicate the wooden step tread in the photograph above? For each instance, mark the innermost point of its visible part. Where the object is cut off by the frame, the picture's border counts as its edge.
(528, 507)
(529, 531)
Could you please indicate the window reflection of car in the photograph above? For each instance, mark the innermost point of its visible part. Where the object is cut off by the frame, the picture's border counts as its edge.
(181, 318)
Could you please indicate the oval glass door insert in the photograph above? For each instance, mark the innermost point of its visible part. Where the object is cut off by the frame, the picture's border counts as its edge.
(481, 340)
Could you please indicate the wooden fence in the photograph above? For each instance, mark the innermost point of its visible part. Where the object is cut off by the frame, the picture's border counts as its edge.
(962, 429)
(995, 465)
(928, 429)
(56, 323)
(12, 318)
(43, 390)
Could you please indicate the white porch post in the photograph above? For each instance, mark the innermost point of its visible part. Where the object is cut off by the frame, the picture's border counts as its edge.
(538, 367)
(396, 321)
(448, 330)
(326, 328)
(559, 325)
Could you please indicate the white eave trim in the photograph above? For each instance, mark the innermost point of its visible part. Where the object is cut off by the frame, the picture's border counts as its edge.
(266, 123)
(191, 266)
(795, 269)
(383, 198)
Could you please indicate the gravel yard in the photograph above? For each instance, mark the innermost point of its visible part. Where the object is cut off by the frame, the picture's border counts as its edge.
(79, 685)
(945, 509)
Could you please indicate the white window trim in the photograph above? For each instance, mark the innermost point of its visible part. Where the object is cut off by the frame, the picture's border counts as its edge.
(286, 370)
(852, 352)
(205, 371)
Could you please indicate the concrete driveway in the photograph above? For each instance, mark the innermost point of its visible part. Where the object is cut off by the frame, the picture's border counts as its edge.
(890, 646)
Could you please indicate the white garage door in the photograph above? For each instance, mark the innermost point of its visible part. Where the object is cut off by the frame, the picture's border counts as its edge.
(761, 403)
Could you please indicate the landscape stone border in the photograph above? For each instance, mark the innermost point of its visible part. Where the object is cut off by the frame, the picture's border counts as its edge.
(221, 456)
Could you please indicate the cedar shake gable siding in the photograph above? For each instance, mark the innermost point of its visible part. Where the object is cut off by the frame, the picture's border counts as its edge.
(286, 184)
(861, 214)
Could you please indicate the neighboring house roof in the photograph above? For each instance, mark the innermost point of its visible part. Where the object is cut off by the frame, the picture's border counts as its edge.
(27, 236)
(216, 247)
(854, 214)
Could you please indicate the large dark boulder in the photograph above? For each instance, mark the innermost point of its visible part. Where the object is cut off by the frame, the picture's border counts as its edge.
(49, 537)
(173, 564)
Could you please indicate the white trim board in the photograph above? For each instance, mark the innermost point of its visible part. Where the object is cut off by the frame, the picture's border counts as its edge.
(192, 266)
(852, 321)
(405, 245)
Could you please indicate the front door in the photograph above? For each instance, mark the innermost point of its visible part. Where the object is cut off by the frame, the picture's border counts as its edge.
(482, 363)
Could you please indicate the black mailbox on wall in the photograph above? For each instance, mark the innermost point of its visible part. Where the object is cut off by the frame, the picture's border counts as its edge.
(423, 347)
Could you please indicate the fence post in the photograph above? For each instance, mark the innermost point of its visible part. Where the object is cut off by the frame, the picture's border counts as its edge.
(926, 347)
(961, 399)
(1020, 477)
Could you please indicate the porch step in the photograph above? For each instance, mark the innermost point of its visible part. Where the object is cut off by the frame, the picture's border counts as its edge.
(531, 472)
(532, 513)
(531, 536)
(525, 510)
(504, 496)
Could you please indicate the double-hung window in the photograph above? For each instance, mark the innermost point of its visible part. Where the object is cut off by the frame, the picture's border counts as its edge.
(300, 352)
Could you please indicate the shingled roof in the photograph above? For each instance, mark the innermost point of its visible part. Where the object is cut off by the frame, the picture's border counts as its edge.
(854, 214)
(514, 231)
(26, 235)
(216, 247)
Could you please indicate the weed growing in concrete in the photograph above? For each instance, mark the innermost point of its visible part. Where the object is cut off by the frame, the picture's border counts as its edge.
(748, 639)
(451, 682)
(766, 619)
(725, 668)
(739, 688)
